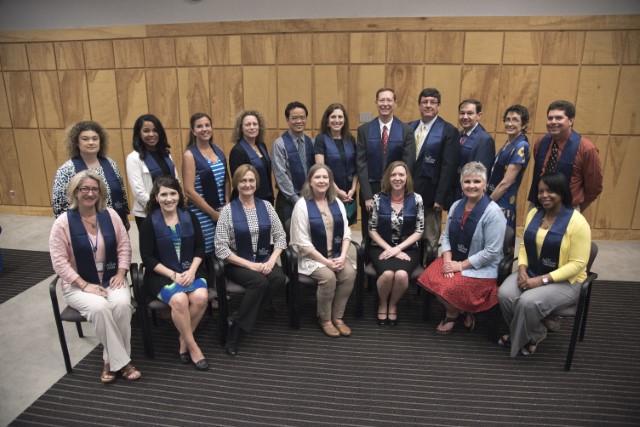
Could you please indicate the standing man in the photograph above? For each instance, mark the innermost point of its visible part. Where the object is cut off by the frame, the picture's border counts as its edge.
(438, 154)
(382, 141)
(564, 150)
(291, 156)
(476, 145)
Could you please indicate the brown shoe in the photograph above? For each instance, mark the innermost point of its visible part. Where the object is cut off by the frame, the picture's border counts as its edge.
(329, 329)
(342, 327)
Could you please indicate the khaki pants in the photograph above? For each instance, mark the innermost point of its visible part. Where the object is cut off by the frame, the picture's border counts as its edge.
(334, 290)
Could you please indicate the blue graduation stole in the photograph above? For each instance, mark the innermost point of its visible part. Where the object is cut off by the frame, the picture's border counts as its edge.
(465, 148)
(430, 150)
(375, 162)
(319, 233)
(342, 171)
(265, 191)
(154, 167)
(164, 241)
(83, 250)
(295, 165)
(243, 235)
(501, 163)
(408, 217)
(460, 238)
(550, 252)
(209, 185)
(115, 186)
(564, 164)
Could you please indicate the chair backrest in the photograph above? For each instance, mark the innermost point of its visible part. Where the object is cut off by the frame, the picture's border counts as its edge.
(507, 248)
(592, 256)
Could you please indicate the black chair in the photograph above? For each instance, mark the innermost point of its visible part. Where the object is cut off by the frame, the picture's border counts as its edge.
(371, 274)
(227, 286)
(69, 315)
(147, 304)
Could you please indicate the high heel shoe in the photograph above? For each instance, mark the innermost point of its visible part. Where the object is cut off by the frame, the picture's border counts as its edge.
(392, 322)
(382, 322)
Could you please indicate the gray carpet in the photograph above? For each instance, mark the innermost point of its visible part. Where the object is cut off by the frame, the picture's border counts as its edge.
(22, 269)
(405, 376)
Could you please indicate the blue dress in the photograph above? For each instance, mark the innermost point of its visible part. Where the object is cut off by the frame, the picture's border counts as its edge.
(206, 222)
(512, 153)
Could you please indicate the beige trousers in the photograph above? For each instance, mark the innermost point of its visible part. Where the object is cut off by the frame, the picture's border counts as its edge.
(334, 290)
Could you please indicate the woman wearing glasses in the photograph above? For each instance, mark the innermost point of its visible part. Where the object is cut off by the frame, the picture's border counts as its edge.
(511, 162)
(91, 252)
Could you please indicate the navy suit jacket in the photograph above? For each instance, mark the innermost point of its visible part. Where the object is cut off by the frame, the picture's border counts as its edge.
(441, 187)
(408, 154)
(483, 150)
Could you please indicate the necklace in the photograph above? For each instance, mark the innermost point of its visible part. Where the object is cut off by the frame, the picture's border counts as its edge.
(398, 200)
(92, 224)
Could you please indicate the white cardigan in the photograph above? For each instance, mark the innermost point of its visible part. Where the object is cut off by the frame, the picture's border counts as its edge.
(140, 182)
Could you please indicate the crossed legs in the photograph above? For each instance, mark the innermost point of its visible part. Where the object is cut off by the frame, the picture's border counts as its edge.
(186, 311)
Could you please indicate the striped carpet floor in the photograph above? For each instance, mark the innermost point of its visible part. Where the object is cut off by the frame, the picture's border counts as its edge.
(406, 376)
(22, 269)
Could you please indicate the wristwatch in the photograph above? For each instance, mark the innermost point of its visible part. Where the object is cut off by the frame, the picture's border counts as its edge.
(545, 280)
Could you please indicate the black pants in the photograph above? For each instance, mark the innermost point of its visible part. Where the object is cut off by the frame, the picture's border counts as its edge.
(139, 221)
(258, 292)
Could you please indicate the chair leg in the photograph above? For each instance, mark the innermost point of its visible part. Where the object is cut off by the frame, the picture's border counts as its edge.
(79, 329)
(494, 325)
(63, 345)
(425, 309)
(147, 340)
(574, 338)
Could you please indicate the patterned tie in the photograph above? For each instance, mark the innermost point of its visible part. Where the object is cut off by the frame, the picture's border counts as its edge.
(419, 139)
(302, 150)
(385, 141)
(463, 138)
(553, 158)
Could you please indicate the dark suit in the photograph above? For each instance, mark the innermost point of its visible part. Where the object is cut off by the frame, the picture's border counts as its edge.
(440, 188)
(371, 185)
(478, 147)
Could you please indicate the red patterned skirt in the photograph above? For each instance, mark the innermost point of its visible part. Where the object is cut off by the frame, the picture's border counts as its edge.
(465, 293)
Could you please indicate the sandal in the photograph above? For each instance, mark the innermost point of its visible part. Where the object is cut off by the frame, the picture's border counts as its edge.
(130, 372)
(107, 375)
(504, 341)
(445, 321)
(472, 321)
(531, 348)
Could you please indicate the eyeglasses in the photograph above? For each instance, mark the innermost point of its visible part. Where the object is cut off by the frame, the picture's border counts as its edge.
(513, 120)
(298, 119)
(429, 102)
(86, 190)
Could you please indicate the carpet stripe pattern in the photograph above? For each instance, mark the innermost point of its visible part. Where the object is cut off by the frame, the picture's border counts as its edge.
(22, 269)
(403, 376)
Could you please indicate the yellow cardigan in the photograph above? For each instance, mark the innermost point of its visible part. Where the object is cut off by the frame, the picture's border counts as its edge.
(574, 249)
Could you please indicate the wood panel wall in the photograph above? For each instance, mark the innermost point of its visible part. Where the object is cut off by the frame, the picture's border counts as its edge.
(52, 78)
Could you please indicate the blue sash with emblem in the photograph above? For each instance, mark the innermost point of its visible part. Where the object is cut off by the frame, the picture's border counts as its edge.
(265, 191)
(430, 150)
(164, 241)
(460, 238)
(208, 181)
(343, 170)
(408, 217)
(564, 164)
(318, 231)
(154, 168)
(550, 252)
(375, 162)
(295, 164)
(84, 251)
(243, 235)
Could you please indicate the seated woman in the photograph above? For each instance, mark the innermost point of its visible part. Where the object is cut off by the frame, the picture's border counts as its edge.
(320, 234)
(172, 250)
(396, 225)
(464, 278)
(91, 252)
(243, 240)
(552, 264)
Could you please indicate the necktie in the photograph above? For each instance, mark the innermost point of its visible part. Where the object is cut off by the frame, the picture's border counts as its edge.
(463, 138)
(385, 141)
(419, 139)
(553, 158)
(302, 150)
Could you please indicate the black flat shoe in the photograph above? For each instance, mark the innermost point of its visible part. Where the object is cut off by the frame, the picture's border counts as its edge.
(185, 358)
(393, 322)
(383, 322)
(201, 365)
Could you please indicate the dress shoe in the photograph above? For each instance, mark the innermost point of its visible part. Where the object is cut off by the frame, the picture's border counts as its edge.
(329, 329)
(232, 338)
(342, 327)
(185, 358)
(201, 365)
(383, 322)
(392, 322)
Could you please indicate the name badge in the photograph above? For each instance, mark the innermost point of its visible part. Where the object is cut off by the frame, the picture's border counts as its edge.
(100, 267)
